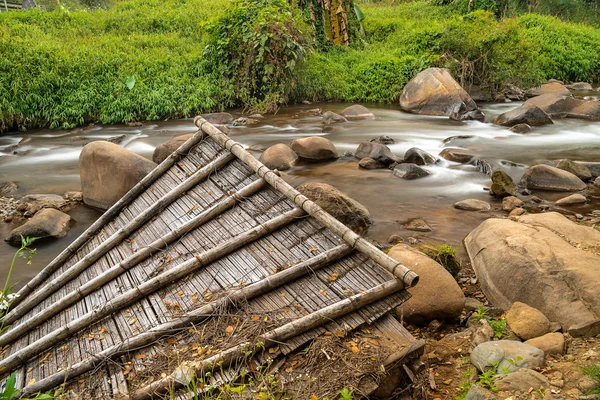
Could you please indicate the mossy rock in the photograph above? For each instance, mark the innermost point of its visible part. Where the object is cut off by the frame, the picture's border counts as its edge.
(502, 185)
(445, 255)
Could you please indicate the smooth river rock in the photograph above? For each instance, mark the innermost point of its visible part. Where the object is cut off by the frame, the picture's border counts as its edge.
(279, 156)
(315, 148)
(527, 322)
(546, 177)
(414, 155)
(580, 87)
(549, 88)
(511, 202)
(45, 224)
(370, 163)
(435, 283)
(561, 106)
(329, 117)
(577, 169)
(108, 172)
(376, 151)
(164, 150)
(530, 115)
(409, 171)
(357, 112)
(219, 118)
(543, 260)
(338, 204)
(435, 92)
(473, 205)
(456, 155)
(572, 200)
(509, 355)
(521, 128)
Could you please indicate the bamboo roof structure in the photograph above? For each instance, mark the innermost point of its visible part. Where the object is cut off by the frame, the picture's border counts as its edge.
(212, 264)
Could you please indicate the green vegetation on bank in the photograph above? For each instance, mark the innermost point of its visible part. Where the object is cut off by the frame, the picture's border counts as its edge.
(149, 59)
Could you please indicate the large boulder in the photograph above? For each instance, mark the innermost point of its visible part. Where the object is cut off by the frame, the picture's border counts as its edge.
(577, 169)
(437, 296)
(543, 260)
(507, 356)
(580, 87)
(548, 88)
(108, 171)
(164, 150)
(546, 177)
(45, 224)
(435, 92)
(530, 115)
(315, 148)
(376, 151)
(561, 106)
(417, 156)
(357, 112)
(527, 322)
(339, 205)
(279, 156)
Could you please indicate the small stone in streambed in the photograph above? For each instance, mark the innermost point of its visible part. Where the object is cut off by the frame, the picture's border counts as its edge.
(577, 169)
(219, 118)
(376, 151)
(279, 156)
(315, 148)
(356, 112)
(383, 139)
(526, 321)
(48, 223)
(502, 185)
(511, 202)
(417, 224)
(409, 171)
(395, 239)
(521, 128)
(475, 115)
(456, 155)
(417, 156)
(472, 205)
(572, 200)
(369, 163)
(76, 197)
(517, 212)
(329, 117)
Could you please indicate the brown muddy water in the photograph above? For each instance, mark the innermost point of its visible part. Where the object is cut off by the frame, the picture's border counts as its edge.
(49, 165)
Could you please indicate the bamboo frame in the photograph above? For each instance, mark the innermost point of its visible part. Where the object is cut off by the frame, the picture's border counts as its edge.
(112, 212)
(206, 311)
(235, 354)
(116, 238)
(135, 294)
(130, 262)
(408, 277)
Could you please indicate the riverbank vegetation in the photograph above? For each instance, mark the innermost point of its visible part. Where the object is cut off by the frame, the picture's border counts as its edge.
(148, 60)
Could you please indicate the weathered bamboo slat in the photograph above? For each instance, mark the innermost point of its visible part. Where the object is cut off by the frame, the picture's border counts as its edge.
(106, 218)
(116, 238)
(144, 339)
(136, 258)
(410, 278)
(186, 371)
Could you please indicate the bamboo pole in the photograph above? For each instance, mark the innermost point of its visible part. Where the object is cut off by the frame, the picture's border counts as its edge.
(206, 311)
(116, 238)
(112, 212)
(186, 371)
(410, 278)
(130, 262)
(144, 289)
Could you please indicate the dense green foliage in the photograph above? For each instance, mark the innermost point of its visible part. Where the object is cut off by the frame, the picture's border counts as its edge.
(149, 59)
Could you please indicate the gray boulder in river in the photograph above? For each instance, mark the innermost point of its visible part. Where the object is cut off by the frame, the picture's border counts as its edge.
(530, 115)
(108, 171)
(546, 177)
(544, 261)
(435, 92)
(376, 151)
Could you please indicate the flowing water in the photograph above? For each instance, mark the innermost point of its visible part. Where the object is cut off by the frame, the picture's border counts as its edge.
(49, 165)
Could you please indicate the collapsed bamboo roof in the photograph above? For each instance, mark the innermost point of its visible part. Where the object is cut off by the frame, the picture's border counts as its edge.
(210, 236)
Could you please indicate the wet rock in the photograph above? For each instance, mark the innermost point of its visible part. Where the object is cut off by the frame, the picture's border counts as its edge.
(580, 87)
(475, 115)
(560, 106)
(279, 156)
(508, 355)
(530, 115)
(527, 322)
(435, 282)
(243, 121)
(522, 380)
(409, 171)
(545, 177)
(7, 188)
(164, 150)
(572, 200)
(256, 116)
(521, 128)
(108, 172)
(473, 205)
(417, 156)
(548, 88)
(482, 166)
(457, 137)
(339, 205)
(416, 224)
(395, 238)
(356, 112)
(369, 163)
(219, 118)
(383, 139)
(502, 185)
(579, 170)
(48, 223)
(594, 168)
(329, 117)
(376, 151)
(43, 201)
(544, 255)
(516, 212)
(511, 202)
(315, 148)
(456, 155)
(434, 92)
(550, 343)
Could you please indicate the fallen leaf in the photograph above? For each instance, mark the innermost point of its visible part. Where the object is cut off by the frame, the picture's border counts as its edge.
(132, 321)
(333, 277)
(229, 330)
(31, 382)
(140, 356)
(256, 318)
